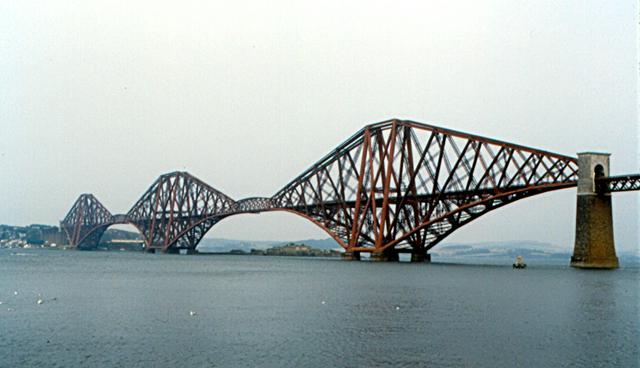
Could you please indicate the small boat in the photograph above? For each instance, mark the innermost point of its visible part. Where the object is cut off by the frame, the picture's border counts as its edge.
(519, 263)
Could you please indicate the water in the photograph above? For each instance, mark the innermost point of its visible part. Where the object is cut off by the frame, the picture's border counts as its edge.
(133, 310)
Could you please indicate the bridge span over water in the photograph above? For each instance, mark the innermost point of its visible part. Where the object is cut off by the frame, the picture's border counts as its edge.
(395, 186)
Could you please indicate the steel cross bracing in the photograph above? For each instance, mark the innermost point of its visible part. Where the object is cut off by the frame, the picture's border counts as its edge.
(177, 210)
(255, 205)
(620, 183)
(395, 185)
(86, 221)
(401, 184)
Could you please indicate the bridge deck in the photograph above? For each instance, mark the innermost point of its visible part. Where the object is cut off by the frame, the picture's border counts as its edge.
(619, 183)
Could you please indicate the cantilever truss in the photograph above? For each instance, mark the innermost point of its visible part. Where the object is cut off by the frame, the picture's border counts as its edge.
(86, 221)
(393, 186)
(401, 184)
(177, 210)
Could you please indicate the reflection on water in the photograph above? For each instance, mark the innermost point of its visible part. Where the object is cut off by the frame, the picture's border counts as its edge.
(130, 309)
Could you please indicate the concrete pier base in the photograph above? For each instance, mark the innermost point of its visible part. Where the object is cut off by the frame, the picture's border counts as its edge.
(351, 256)
(387, 256)
(182, 251)
(594, 246)
(391, 256)
(421, 257)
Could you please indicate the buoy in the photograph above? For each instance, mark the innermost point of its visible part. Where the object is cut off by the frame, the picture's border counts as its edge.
(192, 313)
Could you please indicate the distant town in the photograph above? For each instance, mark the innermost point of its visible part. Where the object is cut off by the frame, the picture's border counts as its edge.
(46, 236)
(32, 236)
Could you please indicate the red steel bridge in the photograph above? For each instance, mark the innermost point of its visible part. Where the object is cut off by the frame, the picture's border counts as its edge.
(395, 186)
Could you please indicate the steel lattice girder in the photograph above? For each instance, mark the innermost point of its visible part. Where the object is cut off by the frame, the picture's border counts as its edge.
(401, 183)
(395, 184)
(254, 205)
(86, 221)
(177, 210)
(620, 183)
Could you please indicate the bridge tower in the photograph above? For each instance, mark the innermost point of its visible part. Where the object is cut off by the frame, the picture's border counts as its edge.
(594, 246)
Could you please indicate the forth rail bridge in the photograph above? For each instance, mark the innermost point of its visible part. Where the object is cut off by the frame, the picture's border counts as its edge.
(393, 187)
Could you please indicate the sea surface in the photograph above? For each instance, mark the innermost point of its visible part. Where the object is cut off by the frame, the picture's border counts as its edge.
(121, 309)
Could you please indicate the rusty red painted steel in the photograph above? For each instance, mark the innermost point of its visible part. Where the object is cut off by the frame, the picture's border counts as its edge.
(394, 185)
(621, 183)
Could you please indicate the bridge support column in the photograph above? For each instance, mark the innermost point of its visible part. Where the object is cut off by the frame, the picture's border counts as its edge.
(351, 256)
(385, 256)
(420, 256)
(594, 246)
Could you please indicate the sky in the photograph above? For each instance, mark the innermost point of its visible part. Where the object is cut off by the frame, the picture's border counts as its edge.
(105, 96)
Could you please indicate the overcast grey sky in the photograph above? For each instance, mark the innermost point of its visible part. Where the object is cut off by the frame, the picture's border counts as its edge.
(104, 96)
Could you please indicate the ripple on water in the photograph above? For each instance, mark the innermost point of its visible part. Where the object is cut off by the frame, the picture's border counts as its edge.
(129, 309)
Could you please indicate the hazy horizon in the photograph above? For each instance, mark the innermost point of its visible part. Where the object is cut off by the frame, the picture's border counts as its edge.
(103, 97)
